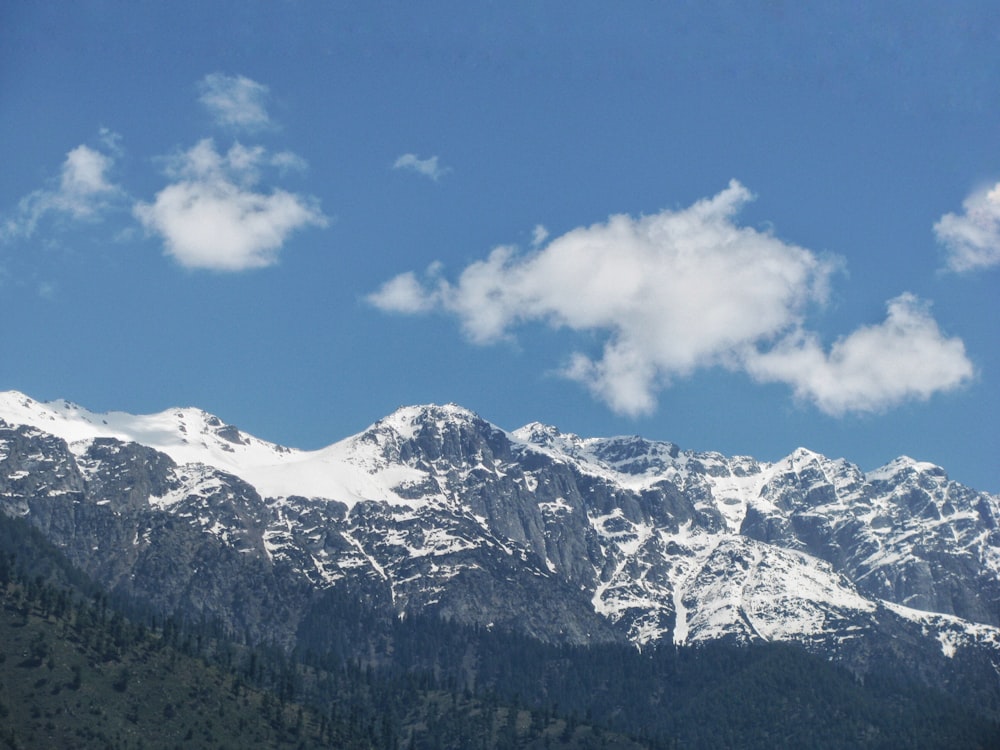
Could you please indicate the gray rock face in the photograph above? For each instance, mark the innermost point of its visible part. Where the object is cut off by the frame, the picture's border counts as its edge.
(564, 538)
(185, 539)
(907, 534)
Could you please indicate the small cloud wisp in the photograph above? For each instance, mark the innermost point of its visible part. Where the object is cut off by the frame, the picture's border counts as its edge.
(972, 239)
(83, 193)
(235, 102)
(426, 167)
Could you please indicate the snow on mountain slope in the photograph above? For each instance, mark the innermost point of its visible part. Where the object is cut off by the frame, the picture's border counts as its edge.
(191, 436)
(754, 591)
(951, 632)
(436, 506)
(367, 466)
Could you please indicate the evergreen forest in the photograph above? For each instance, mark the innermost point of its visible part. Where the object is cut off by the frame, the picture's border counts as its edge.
(80, 667)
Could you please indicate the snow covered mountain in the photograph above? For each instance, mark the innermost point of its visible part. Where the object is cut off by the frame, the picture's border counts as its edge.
(566, 539)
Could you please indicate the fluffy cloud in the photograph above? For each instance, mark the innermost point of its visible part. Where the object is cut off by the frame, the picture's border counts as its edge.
(872, 369)
(427, 167)
(212, 217)
(235, 101)
(682, 290)
(972, 239)
(82, 193)
(403, 294)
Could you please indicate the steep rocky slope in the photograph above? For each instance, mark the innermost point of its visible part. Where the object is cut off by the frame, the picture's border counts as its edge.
(567, 539)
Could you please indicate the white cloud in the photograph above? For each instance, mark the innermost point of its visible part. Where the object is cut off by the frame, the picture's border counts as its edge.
(973, 238)
(872, 369)
(678, 291)
(427, 167)
(211, 216)
(403, 294)
(235, 101)
(83, 193)
(286, 161)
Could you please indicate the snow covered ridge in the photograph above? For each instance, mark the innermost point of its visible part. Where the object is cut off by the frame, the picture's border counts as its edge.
(192, 436)
(342, 471)
(432, 506)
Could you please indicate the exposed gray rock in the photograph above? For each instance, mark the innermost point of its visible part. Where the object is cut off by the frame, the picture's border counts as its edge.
(564, 538)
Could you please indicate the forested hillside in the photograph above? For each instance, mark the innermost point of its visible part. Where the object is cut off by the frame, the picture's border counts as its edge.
(81, 670)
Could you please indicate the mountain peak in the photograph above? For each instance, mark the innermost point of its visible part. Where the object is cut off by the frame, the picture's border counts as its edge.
(407, 420)
(803, 454)
(904, 465)
(172, 428)
(537, 433)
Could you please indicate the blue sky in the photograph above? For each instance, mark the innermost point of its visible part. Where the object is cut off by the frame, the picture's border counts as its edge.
(738, 227)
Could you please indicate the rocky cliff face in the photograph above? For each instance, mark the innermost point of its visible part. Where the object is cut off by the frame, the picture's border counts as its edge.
(567, 539)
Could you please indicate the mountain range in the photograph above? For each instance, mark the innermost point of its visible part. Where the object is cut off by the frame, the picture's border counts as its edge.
(565, 539)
